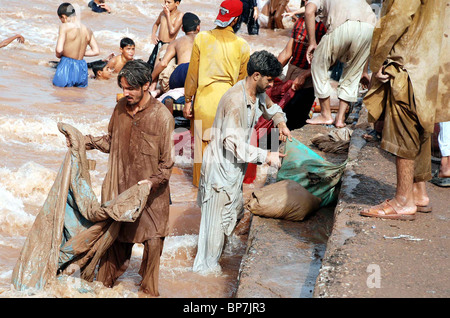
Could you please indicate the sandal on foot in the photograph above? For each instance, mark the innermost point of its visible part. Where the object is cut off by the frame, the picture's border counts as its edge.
(386, 211)
(424, 208)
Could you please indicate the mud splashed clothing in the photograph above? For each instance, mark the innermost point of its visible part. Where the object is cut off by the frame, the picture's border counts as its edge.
(218, 61)
(223, 169)
(139, 147)
(72, 227)
(413, 37)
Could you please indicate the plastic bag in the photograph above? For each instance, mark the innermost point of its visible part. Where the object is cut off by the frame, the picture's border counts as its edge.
(320, 177)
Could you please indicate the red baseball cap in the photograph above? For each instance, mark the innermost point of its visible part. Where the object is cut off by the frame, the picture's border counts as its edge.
(229, 9)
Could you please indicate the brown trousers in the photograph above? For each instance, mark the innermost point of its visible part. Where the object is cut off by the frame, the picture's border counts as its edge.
(117, 258)
(402, 133)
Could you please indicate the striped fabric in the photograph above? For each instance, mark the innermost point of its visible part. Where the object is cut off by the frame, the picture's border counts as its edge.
(300, 37)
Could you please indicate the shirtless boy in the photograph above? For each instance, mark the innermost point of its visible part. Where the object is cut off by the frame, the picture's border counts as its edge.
(172, 69)
(127, 50)
(71, 47)
(169, 23)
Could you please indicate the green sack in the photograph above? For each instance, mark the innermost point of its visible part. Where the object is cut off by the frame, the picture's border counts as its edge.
(320, 177)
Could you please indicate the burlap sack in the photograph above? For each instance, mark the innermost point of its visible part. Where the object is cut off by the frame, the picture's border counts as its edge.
(285, 199)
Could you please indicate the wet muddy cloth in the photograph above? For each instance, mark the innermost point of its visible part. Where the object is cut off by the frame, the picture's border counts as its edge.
(72, 226)
(412, 37)
(320, 177)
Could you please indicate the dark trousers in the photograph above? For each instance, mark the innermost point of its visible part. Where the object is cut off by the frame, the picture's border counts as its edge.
(117, 258)
(298, 108)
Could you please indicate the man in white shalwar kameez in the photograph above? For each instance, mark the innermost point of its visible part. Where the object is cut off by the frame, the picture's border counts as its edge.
(225, 160)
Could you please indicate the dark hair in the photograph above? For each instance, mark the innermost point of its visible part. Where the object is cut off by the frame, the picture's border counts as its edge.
(98, 66)
(65, 8)
(265, 63)
(125, 42)
(136, 72)
(190, 22)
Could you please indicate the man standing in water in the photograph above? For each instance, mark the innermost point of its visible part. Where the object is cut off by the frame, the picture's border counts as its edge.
(226, 156)
(218, 61)
(140, 147)
(71, 47)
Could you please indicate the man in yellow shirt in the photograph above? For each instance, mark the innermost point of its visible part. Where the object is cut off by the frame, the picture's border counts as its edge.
(218, 61)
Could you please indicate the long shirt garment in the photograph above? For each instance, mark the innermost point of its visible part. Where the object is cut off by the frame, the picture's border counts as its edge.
(413, 35)
(334, 13)
(224, 166)
(218, 61)
(139, 147)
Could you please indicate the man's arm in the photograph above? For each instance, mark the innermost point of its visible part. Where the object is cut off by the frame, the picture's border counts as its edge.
(155, 29)
(60, 42)
(390, 28)
(5, 42)
(93, 46)
(191, 82)
(286, 54)
(310, 21)
(102, 143)
(174, 27)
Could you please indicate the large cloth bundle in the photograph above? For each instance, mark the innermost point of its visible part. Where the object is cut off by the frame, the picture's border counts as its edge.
(285, 200)
(320, 177)
(72, 227)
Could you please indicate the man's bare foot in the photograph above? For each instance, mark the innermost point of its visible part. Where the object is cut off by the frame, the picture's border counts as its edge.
(320, 120)
(339, 124)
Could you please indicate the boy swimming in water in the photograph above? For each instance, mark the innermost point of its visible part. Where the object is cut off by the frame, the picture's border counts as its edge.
(127, 50)
(71, 47)
(101, 70)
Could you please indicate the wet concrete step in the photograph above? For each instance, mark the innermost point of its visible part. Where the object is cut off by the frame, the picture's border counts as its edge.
(283, 258)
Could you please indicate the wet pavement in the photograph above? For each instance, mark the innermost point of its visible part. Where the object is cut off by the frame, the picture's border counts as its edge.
(363, 257)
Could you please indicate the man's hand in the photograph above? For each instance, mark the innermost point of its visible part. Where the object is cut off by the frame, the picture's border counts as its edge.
(273, 159)
(166, 10)
(298, 82)
(154, 39)
(310, 52)
(381, 76)
(20, 38)
(187, 110)
(285, 133)
(146, 181)
(105, 6)
(255, 13)
(365, 80)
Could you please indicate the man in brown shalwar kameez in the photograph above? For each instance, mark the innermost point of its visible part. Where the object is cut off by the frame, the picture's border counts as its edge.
(410, 63)
(140, 146)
